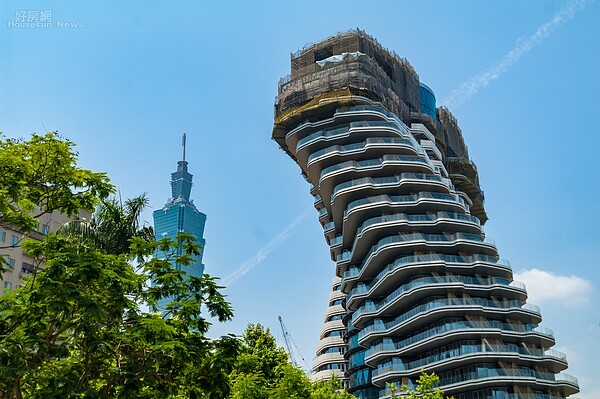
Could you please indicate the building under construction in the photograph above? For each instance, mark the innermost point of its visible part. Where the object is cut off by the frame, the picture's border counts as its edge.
(402, 211)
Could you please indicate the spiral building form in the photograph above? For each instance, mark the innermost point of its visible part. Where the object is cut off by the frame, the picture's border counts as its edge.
(399, 200)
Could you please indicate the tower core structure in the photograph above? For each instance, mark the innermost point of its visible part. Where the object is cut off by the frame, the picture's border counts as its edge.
(402, 211)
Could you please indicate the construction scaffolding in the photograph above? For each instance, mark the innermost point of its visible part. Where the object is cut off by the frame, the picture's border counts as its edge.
(352, 67)
(353, 61)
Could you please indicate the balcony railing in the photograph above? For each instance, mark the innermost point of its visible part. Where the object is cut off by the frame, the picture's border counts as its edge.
(389, 345)
(379, 326)
(391, 199)
(371, 307)
(369, 163)
(407, 237)
(396, 364)
(430, 258)
(392, 180)
(392, 141)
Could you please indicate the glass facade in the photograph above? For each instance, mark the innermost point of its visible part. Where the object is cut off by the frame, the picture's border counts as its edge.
(180, 214)
(428, 104)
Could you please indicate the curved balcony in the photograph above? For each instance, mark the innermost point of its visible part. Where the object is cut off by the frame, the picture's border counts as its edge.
(374, 228)
(406, 181)
(436, 282)
(384, 144)
(396, 244)
(368, 164)
(327, 375)
(390, 348)
(334, 295)
(334, 310)
(470, 379)
(422, 219)
(486, 393)
(327, 358)
(322, 134)
(329, 342)
(362, 291)
(357, 211)
(397, 368)
(363, 110)
(484, 262)
(329, 326)
(379, 328)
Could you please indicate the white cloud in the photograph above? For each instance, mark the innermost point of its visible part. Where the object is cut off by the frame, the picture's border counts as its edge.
(547, 287)
(523, 45)
(262, 253)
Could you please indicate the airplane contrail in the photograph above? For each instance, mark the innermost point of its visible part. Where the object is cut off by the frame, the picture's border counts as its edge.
(469, 88)
(257, 259)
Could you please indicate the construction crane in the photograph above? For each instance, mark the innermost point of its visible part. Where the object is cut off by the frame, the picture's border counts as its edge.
(287, 338)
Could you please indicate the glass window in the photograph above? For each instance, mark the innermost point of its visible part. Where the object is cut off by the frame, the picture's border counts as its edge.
(45, 229)
(27, 268)
(7, 285)
(2, 236)
(11, 263)
(14, 240)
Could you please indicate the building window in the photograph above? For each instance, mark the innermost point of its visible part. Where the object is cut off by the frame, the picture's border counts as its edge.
(27, 268)
(2, 236)
(14, 240)
(45, 229)
(11, 263)
(7, 285)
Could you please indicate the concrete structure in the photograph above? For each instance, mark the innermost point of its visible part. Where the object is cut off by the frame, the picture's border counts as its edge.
(329, 360)
(22, 265)
(180, 214)
(402, 211)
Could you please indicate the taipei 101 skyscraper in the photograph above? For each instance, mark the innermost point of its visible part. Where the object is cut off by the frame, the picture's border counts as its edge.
(180, 214)
(418, 286)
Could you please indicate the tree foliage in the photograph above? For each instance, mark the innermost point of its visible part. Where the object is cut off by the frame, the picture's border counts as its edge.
(112, 225)
(77, 328)
(427, 388)
(263, 371)
(330, 389)
(41, 175)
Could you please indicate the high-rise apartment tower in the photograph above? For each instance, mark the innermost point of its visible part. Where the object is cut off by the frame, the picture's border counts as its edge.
(180, 214)
(402, 211)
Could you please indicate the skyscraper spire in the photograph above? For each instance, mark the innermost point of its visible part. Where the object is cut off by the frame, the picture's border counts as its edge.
(178, 215)
(183, 147)
(181, 180)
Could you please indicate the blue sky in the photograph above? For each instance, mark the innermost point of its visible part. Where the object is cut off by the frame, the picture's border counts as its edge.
(125, 79)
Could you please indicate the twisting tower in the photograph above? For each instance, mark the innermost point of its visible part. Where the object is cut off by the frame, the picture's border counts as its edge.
(402, 209)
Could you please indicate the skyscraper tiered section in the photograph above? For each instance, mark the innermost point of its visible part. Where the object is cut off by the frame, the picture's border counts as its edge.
(399, 200)
(180, 214)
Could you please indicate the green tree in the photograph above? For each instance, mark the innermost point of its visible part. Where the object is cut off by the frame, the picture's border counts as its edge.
(112, 225)
(257, 370)
(41, 175)
(427, 388)
(330, 389)
(263, 371)
(77, 330)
